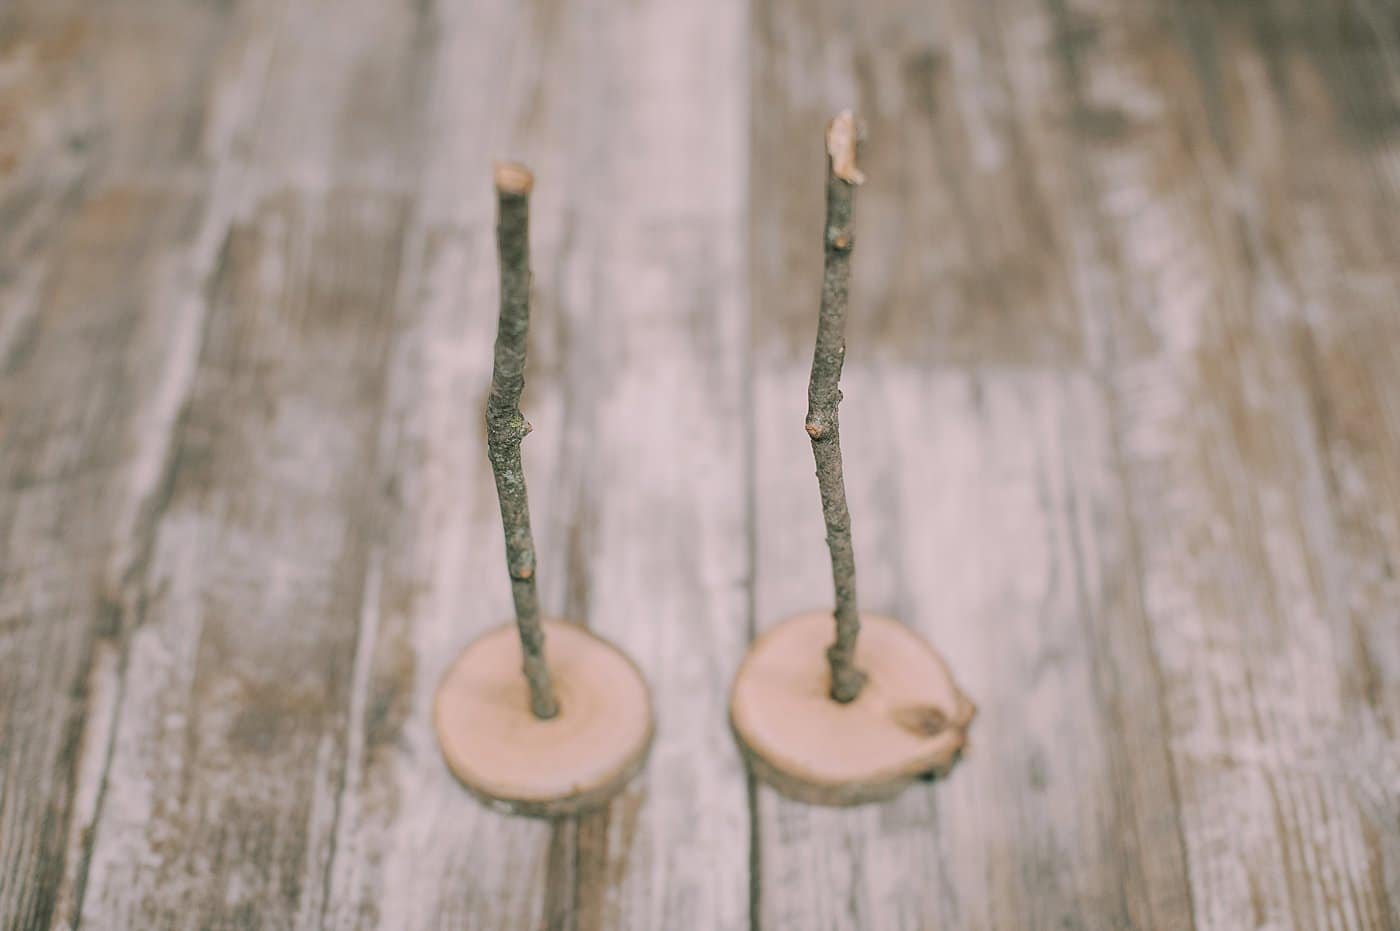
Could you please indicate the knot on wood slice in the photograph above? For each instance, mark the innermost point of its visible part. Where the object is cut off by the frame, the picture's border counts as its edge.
(924, 720)
(930, 720)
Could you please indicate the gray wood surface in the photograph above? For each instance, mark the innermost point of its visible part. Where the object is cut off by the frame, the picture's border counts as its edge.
(1121, 430)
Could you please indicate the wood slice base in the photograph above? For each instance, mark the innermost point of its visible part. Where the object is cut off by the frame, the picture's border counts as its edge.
(909, 722)
(520, 764)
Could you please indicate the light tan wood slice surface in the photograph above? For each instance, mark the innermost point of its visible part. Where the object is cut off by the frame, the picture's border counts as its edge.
(522, 764)
(909, 721)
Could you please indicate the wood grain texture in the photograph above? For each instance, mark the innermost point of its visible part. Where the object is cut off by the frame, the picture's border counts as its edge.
(645, 247)
(77, 386)
(1121, 432)
(1006, 584)
(227, 752)
(240, 660)
(1222, 430)
(635, 268)
(97, 265)
(414, 850)
(985, 504)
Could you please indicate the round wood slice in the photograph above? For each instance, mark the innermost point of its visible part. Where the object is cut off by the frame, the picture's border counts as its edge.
(909, 722)
(520, 764)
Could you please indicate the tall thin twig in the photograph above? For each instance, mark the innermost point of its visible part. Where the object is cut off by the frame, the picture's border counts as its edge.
(824, 396)
(506, 427)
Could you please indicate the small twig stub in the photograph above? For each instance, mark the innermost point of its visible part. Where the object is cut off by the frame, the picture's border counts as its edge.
(506, 426)
(824, 397)
(842, 139)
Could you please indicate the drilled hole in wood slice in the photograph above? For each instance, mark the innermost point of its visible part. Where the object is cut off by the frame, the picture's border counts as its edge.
(518, 763)
(909, 721)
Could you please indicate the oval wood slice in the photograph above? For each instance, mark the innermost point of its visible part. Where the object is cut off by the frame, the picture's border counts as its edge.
(909, 722)
(521, 764)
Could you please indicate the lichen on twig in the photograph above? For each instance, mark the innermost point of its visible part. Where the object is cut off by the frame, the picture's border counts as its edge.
(824, 397)
(506, 426)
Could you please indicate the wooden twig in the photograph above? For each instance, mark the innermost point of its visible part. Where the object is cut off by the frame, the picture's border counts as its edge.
(824, 396)
(506, 427)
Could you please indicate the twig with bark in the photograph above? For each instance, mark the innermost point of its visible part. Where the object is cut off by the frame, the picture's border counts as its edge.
(506, 426)
(824, 397)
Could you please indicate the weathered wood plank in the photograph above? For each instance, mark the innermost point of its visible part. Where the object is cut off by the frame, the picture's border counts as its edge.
(95, 265)
(1213, 233)
(1317, 76)
(958, 260)
(235, 696)
(412, 849)
(988, 512)
(227, 750)
(636, 358)
(75, 385)
(649, 300)
(984, 498)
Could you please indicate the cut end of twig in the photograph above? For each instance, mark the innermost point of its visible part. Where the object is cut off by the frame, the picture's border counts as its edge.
(842, 134)
(514, 178)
